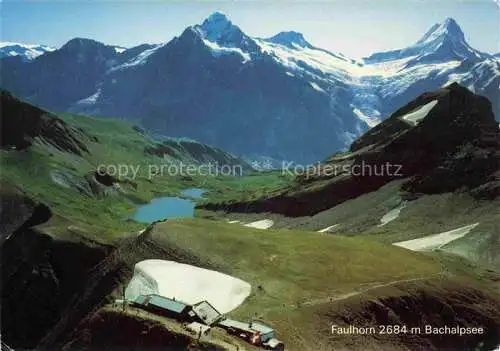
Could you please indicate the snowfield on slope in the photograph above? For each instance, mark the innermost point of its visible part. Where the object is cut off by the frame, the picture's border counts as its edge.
(327, 229)
(416, 116)
(262, 224)
(436, 241)
(186, 283)
(391, 215)
(221, 50)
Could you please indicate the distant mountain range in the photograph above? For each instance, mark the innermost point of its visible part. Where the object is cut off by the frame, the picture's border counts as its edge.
(23, 51)
(279, 97)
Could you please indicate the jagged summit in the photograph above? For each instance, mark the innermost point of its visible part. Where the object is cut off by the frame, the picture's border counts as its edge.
(446, 35)
(290, 38)
(216, 16)
(448, 29)
(443, 42)
(216, 26)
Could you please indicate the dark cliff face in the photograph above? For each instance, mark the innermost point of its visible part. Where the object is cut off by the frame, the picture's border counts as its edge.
(455, 146)
(40, 275)
(193, 152)
(22, 123)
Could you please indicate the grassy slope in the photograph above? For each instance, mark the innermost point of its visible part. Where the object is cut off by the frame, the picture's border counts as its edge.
(429, 214)
(118, 144)
(426, 215)
(295, 273)
(276, 258)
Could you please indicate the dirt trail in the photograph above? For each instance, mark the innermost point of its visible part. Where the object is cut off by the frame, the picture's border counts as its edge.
(345, 296)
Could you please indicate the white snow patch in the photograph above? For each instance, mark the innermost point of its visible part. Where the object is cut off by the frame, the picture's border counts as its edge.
(290, 74)
(480, 76)
(220, 50)
(387, 68)
(328, 228)
(397, 68)
(29, 51)
(391, 215)
(262, 224)
(26, 46)
(371, 121)
(316, 87)
(92, 99)
(436, 241)
(186, 283)
(419, 114)
(119, 49)
(140, 59)
(294, 58)
(231, 222)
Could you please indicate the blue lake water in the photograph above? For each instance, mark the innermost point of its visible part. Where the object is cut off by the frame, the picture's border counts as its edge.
(194, 192)
(168, 207)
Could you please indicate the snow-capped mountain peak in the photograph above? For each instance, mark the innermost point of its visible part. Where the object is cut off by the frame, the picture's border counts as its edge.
(223, 37)
(219, 85)
(443, 42)
(216, 20)
(290, 39)
(25, 51)
(449, 29)
(217, 27)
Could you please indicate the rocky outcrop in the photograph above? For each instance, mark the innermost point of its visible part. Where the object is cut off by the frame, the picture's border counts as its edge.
(23, 123)
(40, 275)
(18, 211)
(192, 152)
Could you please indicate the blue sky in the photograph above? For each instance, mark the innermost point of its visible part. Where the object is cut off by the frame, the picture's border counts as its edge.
(355, 28)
